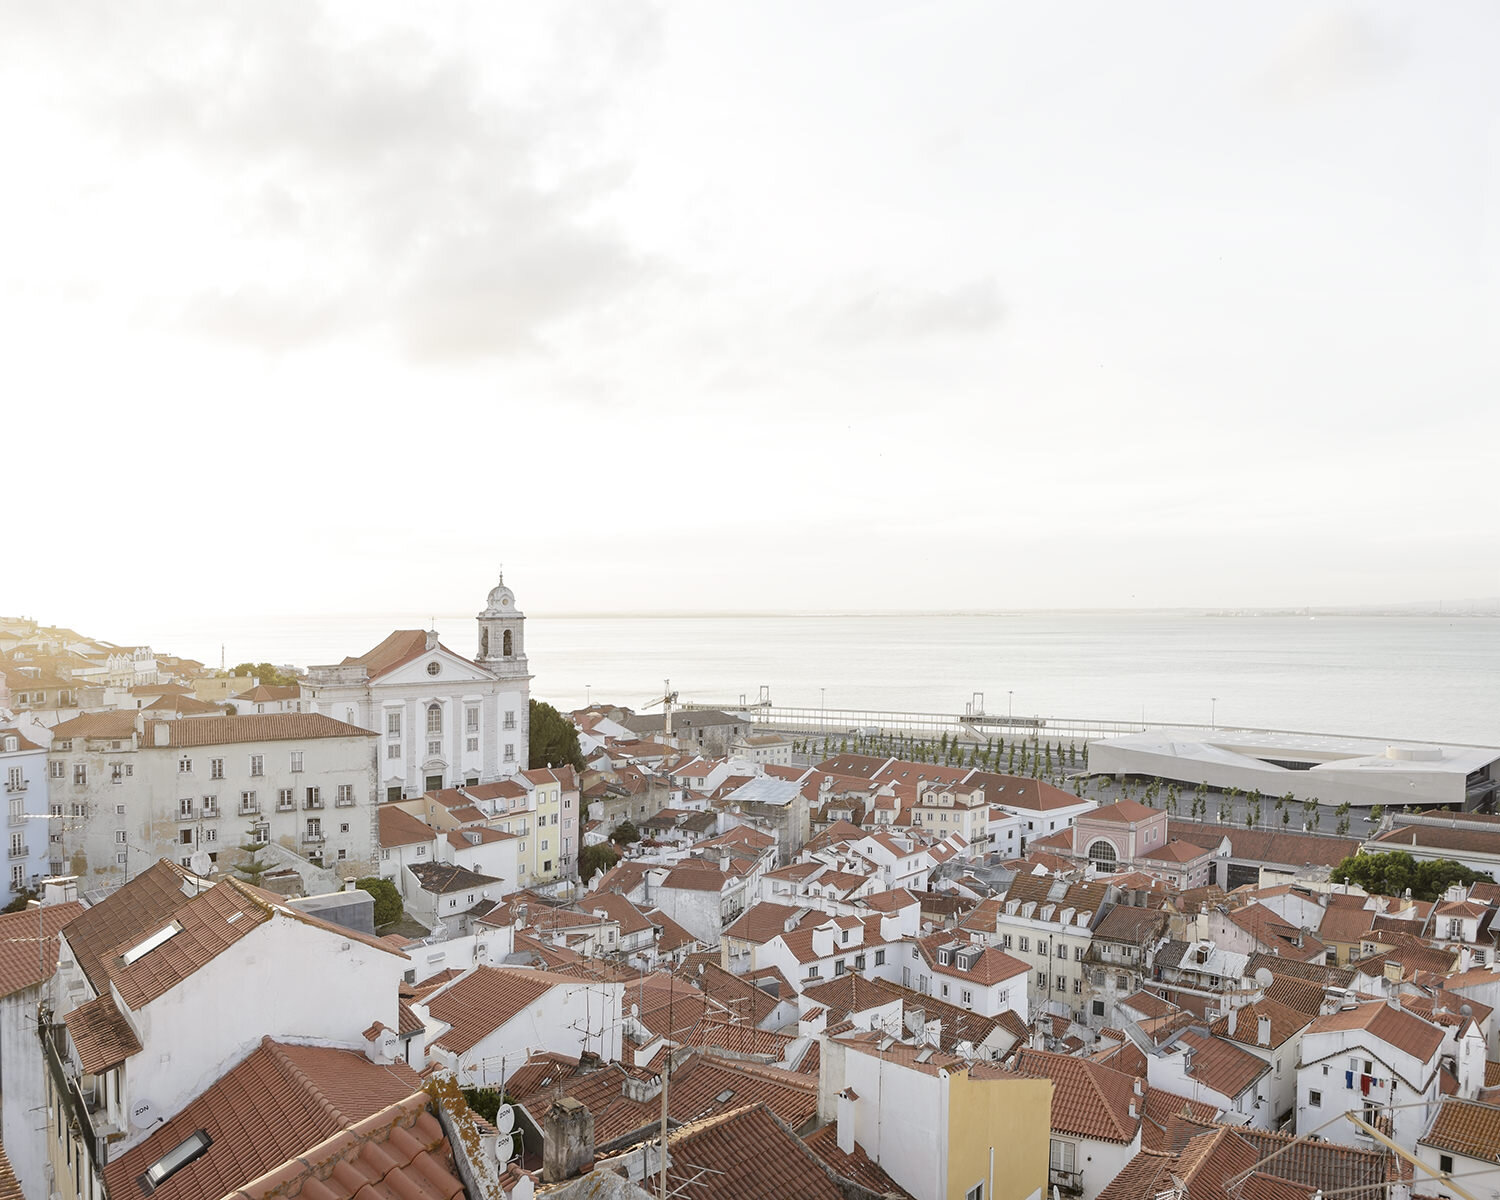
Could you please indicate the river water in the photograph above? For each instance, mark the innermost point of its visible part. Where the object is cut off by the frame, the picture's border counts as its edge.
(1423, 677)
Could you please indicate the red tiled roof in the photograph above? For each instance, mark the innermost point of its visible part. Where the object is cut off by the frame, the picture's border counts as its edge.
(399, 828)
(100, 1035)
(256, 727)
(858, 1167)
(747, 1152)
(483, 1001)
(276, 1104)
(21, 958)
(119, 723)
(398, 648)
(761, 922)
(1088, 1100)
(1121, 810)
(1226, 1069)
(1285, 1022)
(1466, 1127)
(141, 906)
(1394, 1026)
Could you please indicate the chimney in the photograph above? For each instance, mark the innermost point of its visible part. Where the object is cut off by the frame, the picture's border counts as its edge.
(847, 1099)
(567, 1140)
(162, 734)
(1234, 1020)
(349, 883)
(1263, 1031)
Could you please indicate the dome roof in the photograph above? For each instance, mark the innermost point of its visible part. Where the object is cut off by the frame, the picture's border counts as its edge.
(502, 601)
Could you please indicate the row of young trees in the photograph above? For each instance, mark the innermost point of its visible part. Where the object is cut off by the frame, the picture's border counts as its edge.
(1021, 756)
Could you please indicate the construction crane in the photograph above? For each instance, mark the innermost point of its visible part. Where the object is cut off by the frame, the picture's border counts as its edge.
(669, 698)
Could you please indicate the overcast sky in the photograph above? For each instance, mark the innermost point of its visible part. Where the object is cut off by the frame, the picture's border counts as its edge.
(332, 307)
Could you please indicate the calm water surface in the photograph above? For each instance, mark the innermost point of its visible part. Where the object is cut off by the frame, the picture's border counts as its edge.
(1435, 678)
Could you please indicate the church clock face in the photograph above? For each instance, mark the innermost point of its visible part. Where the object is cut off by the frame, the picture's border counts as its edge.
(433, 668)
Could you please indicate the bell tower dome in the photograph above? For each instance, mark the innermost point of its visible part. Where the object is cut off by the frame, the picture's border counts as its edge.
(502, 633)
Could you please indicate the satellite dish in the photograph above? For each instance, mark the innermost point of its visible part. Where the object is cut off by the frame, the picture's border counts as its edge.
(200, 864)
(1465, 1010)
(505, 1119)
(1264, 978)
(142, 1114)
(635, 1010)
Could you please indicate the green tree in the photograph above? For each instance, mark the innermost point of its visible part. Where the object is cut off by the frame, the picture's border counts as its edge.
(554, 738)
(388, 907)
(251, 867)
(1377, 812)
(267, 674)
(625, 833)
(23, 897)
(596, 858)
(1391, 874)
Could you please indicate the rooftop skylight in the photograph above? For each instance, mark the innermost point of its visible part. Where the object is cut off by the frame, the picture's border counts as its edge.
(152, 942)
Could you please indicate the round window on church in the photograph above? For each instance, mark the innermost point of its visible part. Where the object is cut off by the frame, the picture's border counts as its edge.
(433, 668)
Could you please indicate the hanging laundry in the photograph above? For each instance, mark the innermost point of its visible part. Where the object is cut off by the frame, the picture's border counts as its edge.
(1364, 1084)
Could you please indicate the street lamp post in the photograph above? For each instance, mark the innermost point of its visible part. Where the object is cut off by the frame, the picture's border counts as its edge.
(1010, 705)
(1213, 712)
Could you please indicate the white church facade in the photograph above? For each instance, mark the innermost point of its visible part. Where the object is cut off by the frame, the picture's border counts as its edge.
(442, 720)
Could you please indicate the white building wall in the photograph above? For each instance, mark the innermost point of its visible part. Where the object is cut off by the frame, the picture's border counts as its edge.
(287, 979)
(22, 1078)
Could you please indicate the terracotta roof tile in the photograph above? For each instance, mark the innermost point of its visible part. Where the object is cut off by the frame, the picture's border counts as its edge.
(1088, 1100)
(1216, 1064)
(858, 1167)
(484, 1000)
(276, 1104)
(141, 906)
(100, 1035)
(1466, 1127)
(259, 727)
(21, 958)
(1285, 1022)
(1393, 1026)
(399, 828)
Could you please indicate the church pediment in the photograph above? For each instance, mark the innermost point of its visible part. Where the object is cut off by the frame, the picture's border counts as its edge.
(450, 669)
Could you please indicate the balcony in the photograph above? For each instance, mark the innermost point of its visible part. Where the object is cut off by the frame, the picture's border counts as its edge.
(1067, 1182)
(286, 806)
(248, 810)
(16, 785)
(313, 838)
(314, 803)
(19, 851)
(210, 813)
(342, 802)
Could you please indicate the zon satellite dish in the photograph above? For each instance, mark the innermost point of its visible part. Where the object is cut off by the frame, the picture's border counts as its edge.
(505, 1119)
(200, 864)
(142, 1114)
(1264, 978)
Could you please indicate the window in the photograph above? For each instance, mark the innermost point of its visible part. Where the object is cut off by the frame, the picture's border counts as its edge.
(1025, 945)
(296, 760)
(119, 861)
(210, 835)
(80, 774)
(945, 989)
(838, 966)
(880, 958)
(314, 797)
(510, 752)
(434, 749)
(117, 772)
(210, 806)
(975, 1193)
(1445, 1163)
(186, 837)
(434, 719)
(185, 807)
(344, 827)
(1077, 987)
(1063, 1155)
(247, 803)
(510, 720)
(1061, 983)
(1062, 950)
(844, 935)
(393, 750)
(471, 719)
(257, 764)
(1041, 980)
(56, 769)
(421, 851)
(1098, 1008)
(1078, 954)
(393, 724)
(385, 855)
(216, 768)
(472, 744)
(184, 765)
(1005, 941)
(346, 794)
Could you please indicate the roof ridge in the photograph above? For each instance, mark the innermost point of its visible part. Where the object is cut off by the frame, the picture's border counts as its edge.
(297, 1076)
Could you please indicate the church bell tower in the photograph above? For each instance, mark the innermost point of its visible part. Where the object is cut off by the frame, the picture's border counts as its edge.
(502, 634)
